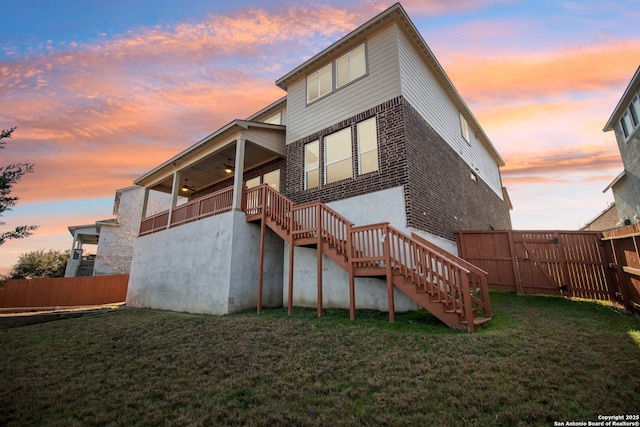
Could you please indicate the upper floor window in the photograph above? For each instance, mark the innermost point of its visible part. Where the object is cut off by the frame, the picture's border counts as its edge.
(351, 66)
(338, 153)
(348, 68)
(367, 146)
(319, 83)
(464, 129)
(276, 119)
(631, 117)
(312, 165)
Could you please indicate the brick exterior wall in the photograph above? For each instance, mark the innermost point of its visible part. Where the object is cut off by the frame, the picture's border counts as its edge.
(392, 159)
(440, 196)
(248, 174)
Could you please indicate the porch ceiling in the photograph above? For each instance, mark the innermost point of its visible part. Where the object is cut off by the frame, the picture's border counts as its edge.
(204, 164)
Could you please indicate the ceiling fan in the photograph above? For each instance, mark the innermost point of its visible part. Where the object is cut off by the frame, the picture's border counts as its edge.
(186, 187)
(228, 167)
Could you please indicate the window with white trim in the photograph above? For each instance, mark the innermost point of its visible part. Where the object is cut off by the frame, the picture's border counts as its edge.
(276, 119)
(464, 129)
(312, 165)
(319, 83)
(631, 118)
(351, 66)
(367, 146)
(338, 153)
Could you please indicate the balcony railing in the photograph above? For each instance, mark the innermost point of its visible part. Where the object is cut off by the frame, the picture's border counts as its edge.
(203, 207)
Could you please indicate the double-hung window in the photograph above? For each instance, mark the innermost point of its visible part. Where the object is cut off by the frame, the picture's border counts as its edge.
(312, 165)
(338, 154)
(351, 66)
(319, 83)
(367, 146)
(631, 117)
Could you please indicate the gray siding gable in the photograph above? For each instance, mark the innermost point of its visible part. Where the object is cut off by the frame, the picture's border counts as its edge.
(380, 84)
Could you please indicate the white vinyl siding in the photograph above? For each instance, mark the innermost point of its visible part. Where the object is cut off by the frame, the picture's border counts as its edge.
(367, 146)
(312, 165)
(338, 153)
(381, 84)
(351, 66)
(424, 93)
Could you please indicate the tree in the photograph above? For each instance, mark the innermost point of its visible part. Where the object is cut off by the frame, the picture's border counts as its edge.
(10, 175)
(40, 264)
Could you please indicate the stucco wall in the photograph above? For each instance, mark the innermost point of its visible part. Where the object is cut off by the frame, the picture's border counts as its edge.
(207, 266)
(381, 206)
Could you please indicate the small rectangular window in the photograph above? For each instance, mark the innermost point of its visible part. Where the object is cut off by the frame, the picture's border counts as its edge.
(311, 165)
(338, 154)
(319, 83)
(351, 66)
(367, 146)
(276, 119)
(464, 129)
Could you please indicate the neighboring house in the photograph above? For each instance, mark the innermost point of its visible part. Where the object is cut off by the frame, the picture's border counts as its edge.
(113, 238)
(371, 126)
(605, 220)
(625, 122)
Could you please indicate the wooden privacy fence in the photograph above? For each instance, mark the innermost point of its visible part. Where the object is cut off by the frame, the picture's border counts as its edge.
(621, 246)
(569, 263)
(582, 264)
(64, 292)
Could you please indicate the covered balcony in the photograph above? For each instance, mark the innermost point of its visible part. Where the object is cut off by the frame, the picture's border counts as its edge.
(208, 178)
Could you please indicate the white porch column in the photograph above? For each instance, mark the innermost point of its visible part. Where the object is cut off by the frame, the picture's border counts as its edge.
(145, 202)
(175, 192)
(238, 175)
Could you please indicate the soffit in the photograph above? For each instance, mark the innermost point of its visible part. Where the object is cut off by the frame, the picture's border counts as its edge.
(210, 154)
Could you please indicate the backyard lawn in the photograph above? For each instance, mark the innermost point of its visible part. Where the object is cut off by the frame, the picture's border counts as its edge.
(542, 359)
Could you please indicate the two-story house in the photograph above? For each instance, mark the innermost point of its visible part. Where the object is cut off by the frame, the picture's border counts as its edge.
(373, 128)
(625, 123)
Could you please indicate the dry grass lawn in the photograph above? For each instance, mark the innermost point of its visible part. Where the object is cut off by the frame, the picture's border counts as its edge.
(543, 359)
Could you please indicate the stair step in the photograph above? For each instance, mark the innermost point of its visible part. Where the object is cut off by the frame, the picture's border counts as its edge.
(478, 321)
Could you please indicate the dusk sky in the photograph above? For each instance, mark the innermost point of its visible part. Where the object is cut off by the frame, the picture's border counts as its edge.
(103, 91)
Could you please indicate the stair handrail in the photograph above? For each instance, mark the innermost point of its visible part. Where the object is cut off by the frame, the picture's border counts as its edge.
(426, 264)
(482, 275)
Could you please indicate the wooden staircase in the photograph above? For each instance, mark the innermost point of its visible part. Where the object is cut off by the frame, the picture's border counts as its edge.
(449, 287)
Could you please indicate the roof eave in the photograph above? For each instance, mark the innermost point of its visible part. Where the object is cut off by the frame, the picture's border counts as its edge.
(237, 124)
(624, 100)
(284, 81)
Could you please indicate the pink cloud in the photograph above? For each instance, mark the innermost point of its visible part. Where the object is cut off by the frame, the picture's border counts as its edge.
(513, 77)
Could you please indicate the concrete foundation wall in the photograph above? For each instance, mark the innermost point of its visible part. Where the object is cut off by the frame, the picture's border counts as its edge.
(207, 266)
(382, 206)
